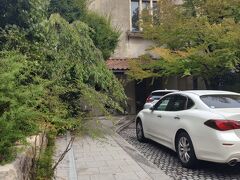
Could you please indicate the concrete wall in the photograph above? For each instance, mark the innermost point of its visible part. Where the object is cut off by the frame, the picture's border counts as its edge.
(119, 12)
(20, 169)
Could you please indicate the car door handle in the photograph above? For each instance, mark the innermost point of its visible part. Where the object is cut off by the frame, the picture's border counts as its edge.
(177, 117)
(159, 116)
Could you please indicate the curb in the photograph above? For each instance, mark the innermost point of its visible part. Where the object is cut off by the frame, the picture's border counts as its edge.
(124, 125)
(151, 169)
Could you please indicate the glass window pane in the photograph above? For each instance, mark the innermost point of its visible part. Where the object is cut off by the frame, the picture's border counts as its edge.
(178, 103)
(146, 4)
(135, 15)
(162, 104)
(221, 101)
(156, 19)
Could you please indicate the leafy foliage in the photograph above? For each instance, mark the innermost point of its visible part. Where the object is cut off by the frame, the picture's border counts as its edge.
(103, 35)
(199, 38)
(83, 71)
(13, 12)
(70, 10)
(18, 103)
(50, 72)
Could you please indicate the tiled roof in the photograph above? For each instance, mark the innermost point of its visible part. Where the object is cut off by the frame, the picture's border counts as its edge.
(118, 64)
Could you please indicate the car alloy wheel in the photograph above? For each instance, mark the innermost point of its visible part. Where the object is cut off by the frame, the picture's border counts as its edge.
(139, 132)
(185, 151)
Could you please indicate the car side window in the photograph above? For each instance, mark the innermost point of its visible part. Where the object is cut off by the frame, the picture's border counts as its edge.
(162, 104)
(177, 103)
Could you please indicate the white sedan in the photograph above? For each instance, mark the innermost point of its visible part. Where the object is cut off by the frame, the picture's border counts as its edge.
(198, 125)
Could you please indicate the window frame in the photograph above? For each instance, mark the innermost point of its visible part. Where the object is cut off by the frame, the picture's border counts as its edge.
(172, 96)
(140, 8)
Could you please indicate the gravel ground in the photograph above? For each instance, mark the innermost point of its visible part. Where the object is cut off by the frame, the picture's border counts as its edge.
(167, 161)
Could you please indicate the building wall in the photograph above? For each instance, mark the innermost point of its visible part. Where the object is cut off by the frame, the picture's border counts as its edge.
(120, 15)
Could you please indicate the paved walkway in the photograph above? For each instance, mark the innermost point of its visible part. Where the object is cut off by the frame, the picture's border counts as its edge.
(109, 158)
(101, 159)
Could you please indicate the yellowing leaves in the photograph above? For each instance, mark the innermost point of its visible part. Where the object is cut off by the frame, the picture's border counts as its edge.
(137, 70)
(169, 55)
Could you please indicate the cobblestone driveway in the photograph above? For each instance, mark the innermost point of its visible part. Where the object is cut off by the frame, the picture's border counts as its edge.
(167, 161)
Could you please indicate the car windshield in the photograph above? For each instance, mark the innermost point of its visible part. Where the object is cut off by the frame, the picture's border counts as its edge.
(221, 101)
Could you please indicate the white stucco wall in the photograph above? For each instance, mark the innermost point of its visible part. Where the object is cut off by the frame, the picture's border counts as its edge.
(119, 12)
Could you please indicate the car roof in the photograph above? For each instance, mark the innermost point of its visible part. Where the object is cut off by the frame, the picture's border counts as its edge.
(210, 92)
(165, 90)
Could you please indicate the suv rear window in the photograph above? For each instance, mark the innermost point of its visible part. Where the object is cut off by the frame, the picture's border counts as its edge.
(221, 101)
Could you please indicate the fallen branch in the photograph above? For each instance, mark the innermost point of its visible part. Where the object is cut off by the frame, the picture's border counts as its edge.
(68, 148)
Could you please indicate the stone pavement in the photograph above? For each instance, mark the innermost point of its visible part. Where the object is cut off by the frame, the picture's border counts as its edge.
(108, 158)
(101, 159)
(167, 160)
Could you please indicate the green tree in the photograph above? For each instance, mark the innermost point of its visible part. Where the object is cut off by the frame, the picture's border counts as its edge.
(50, 70)
(19, 116)
(198, 38)
(104, 36)
(13, 12)
(70, 10)
(216, 10)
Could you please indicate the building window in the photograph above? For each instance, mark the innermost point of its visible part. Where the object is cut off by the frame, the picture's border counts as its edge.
(137, 6)
(155, 13)
(145, 5)
(135, 15)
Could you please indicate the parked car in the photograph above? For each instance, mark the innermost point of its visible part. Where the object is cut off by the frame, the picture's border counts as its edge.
(198, 125)
(155, 96)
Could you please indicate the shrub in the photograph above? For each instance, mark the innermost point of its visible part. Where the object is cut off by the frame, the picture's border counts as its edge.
(104, 36)
(18, 103)
(49, 71)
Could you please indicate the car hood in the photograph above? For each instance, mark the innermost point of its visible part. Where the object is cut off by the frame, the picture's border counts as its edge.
(229, 113)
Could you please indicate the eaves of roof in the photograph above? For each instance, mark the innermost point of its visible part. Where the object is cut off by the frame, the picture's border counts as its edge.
(118, 64)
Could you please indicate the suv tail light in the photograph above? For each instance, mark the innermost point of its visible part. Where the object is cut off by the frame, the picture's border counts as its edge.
(223, 125)
(149, 99)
